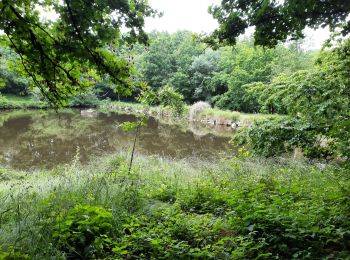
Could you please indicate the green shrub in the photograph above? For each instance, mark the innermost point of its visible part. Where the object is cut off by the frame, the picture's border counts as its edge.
(169, 234)
(282, 135)
(12, 254)
(169, 97)
(19, 102)
(86, 99)
(83, 232)
(202, 198)
(3, 101)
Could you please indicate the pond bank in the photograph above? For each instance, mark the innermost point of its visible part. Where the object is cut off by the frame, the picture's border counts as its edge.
(209, 116)
(11, 102)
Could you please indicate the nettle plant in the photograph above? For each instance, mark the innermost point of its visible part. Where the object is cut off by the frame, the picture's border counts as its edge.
(84, 231)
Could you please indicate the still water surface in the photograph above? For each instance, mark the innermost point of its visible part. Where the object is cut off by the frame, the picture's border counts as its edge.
(43, 139)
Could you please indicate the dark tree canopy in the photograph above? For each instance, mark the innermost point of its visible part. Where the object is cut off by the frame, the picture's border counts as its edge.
(276, 20)
(64, 55)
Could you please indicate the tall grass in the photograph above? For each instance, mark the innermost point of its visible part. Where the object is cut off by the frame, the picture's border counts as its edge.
(229, 117)
(241, 208)
(197, 112)
(19, 102)
(220, 115)
(138, 108)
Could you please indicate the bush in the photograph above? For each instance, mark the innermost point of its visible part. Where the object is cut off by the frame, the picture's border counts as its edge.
(86, 99)
(282, 135)
(197, 108)
(14, 102)
(168, 97)
(3, 101)
(83, 232)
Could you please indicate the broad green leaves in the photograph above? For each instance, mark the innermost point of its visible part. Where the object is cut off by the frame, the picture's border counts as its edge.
(245, 64)
(67, 55)
(318, 102)
(275, 21)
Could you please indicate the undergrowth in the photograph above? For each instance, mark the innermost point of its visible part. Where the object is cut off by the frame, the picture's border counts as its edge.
(197, 112)
(18, 102)
(241, 208)
(219, 115)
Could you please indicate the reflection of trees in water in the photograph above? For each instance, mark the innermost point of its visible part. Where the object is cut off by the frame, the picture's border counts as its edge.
(46, 138)
(201, 129)
(171, 140)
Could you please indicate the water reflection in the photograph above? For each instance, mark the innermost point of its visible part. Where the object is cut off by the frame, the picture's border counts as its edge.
(30, 139)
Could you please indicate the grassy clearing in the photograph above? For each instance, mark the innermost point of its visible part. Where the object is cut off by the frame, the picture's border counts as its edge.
(226, 117)
(29, 102)
(19, 102)
(219, 115)
(251, 119)
(239, 209)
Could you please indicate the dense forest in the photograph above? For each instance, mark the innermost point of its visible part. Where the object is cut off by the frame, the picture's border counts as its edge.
(193, 69)
(275, 185)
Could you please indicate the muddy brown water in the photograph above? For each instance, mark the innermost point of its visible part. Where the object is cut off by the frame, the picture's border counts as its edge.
(43, 139)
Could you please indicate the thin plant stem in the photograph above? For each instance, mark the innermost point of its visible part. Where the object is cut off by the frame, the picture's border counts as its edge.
(133, 147)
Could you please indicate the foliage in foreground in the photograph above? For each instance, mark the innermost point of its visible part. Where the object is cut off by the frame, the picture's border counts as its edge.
(318, 105)
(63, 54)
(241, 209)
(274, 21)
(17, 102)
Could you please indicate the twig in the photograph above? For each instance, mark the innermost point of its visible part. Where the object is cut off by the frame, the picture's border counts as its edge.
(133, 147)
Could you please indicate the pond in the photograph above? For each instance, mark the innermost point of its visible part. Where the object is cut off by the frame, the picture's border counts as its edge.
(43, 139)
